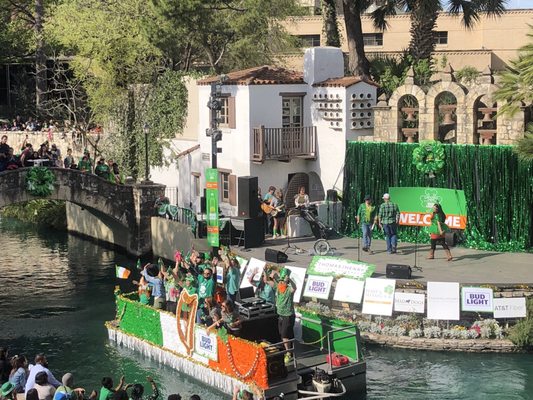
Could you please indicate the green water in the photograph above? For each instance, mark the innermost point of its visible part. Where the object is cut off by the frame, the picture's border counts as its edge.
(57, 292)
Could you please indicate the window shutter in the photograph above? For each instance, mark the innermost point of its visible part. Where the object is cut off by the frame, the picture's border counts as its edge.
(232, 190)
(231, 113)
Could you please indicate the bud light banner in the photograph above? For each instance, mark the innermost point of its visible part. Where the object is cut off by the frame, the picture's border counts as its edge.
(211, 177)
(416, 205)
(205, 344)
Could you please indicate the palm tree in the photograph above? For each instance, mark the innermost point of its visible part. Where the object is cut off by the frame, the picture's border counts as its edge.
(357, 61)
(524, 146)
(331, 27)
(424, 15)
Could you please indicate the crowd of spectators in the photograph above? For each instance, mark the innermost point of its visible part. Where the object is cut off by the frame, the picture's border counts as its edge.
(50, 155)
(20, 380)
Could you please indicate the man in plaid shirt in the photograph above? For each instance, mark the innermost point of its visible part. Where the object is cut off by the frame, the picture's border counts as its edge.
(388, 217)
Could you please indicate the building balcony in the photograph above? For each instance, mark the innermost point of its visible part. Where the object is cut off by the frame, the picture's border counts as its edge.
(283, 144)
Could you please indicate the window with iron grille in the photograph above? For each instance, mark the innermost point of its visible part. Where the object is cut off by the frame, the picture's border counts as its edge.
(309, 40)
(373, 39)
(441, 37)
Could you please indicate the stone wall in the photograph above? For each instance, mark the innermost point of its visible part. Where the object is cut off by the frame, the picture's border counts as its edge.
(169, 236)
(467, 127)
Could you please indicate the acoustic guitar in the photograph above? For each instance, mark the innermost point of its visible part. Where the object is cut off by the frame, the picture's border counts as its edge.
(271, 210)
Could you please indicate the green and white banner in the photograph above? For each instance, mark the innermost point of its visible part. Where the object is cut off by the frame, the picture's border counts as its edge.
(336, 266)
(416, 205)
(211, 176)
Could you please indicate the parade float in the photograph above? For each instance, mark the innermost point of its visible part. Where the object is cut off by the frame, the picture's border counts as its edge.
(328, 365)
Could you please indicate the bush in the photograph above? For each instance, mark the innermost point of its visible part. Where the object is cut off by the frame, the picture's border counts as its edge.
(521, 334)
(49, 213)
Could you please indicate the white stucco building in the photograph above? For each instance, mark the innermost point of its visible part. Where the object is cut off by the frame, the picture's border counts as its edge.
(276, 123)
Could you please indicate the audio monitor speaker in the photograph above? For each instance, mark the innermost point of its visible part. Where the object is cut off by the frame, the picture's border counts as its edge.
(398, 271)
(248, 202)
(275, 256)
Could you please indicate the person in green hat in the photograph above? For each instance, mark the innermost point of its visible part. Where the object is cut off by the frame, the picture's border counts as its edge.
(190, 287)
(285, 289)
(8, 391)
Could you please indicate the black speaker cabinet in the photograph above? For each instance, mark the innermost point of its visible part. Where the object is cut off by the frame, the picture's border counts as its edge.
(398, 271)
(275, 256)
(332, 195)
(249, 232)
(450, 238)
(247, 201)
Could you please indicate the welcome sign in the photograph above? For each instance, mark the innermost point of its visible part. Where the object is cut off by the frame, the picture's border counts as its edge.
(416, 205)
(336, 266)
(205, 344)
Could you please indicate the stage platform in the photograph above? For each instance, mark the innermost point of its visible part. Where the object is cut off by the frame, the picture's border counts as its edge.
(469, 265)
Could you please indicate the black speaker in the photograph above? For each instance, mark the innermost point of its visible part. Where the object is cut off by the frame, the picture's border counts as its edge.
(251, 231)
(450, 238)
(248, 203)
(398, 271)
(275, 256)
(332, 196)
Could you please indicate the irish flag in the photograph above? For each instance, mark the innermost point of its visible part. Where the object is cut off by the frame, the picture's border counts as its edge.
(122, 272)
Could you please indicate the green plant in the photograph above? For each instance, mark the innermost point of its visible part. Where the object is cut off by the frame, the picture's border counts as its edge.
(521, 334)
(467, 75)
(49, 213)
(524, 146)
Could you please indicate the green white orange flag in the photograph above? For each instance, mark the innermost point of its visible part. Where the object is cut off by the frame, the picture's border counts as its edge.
(122, 272)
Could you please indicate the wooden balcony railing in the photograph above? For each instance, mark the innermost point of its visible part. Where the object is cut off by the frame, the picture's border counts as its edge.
(283, 144)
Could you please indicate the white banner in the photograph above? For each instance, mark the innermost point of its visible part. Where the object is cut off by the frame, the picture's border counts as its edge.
(318, 286)
(298, 276)
(514, 307)
(255, 269)
(205, 344)
(379, 296)
(409, 302)
(476, 299)
(336, 266)
(443, 300)
(349, 290)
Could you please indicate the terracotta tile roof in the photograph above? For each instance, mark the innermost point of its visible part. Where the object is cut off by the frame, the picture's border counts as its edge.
(264, 75)
(345, 81)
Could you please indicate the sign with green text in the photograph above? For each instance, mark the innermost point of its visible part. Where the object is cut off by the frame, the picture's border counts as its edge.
(336, 266)
(416, 205)
(211, 202)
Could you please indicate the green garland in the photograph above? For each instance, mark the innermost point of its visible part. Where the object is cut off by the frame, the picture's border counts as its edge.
(429, 157)
(40, 181)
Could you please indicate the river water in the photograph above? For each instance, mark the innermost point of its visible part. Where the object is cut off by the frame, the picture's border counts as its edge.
(56, 292)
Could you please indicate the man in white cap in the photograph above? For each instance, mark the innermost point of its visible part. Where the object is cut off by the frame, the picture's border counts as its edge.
(388, 217)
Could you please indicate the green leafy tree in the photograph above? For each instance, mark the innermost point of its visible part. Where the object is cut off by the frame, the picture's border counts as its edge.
(516, 91)
(225, 34)
(424, 13)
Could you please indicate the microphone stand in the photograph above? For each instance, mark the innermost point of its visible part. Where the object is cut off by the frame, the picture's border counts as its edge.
(416, 249)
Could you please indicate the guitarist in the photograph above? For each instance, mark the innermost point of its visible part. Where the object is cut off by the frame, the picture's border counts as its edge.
(279, 217)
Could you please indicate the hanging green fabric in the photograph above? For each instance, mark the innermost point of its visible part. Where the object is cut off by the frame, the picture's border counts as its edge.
(498, 188)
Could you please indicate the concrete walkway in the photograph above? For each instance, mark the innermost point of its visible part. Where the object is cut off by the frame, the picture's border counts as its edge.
(469, 266)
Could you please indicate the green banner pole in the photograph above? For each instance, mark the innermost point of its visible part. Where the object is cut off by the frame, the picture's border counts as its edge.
(211, 175)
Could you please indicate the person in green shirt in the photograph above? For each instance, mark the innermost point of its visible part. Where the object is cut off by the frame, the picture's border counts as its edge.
(232, 279)
(437, 229)
(190, 287)
(265, 286)
(102, 169)
(285, 308)
(206, 286)
(106, 392)
(366, 214)
(85, 164)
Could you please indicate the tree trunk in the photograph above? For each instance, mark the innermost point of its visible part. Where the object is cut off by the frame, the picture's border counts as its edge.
(357, 62)
(133, 163)
(422, 32)
(40, 58)
(331, 28)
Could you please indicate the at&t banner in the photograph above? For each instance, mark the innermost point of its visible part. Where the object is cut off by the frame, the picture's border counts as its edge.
(416, 205)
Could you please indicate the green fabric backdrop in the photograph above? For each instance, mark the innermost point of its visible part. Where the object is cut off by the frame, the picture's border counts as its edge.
(498, 189)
